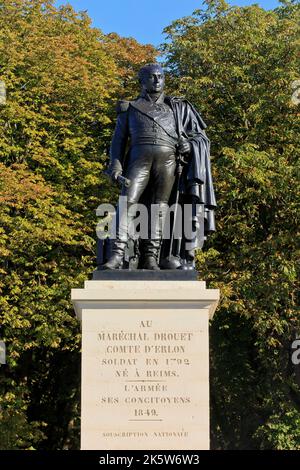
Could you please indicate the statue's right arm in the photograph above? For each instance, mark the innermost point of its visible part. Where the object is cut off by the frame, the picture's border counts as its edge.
(119, 142)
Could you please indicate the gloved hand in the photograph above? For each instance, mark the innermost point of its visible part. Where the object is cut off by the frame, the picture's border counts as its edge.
(184, 146)
(115, 170)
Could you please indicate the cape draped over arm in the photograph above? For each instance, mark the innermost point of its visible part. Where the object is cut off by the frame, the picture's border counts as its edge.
(197, 182)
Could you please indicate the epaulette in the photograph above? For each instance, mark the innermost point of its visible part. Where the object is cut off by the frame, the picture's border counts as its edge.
(122, 106)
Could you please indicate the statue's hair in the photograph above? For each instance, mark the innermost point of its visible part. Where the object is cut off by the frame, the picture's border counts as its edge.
(148, 68)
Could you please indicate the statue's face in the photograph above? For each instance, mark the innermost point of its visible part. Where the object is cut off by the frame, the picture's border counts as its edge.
(153, 81)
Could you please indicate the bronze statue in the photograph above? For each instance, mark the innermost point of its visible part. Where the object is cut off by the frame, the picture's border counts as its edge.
(160, 147)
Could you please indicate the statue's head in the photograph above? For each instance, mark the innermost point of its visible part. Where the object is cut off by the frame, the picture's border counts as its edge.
(152, 78)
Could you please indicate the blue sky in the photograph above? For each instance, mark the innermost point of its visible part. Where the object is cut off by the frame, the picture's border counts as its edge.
(143, 19)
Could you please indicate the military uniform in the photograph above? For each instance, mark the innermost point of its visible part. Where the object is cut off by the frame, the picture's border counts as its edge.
(144, 149)
(150, 129)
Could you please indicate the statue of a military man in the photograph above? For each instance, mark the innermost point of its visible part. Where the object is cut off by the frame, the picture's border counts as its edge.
(160, 146)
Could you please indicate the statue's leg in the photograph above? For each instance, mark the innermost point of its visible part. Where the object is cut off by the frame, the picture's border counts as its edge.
(138, 172)
(163, 178)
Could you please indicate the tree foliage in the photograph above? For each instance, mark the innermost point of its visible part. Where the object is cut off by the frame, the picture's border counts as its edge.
(63, 78)
(238, 66)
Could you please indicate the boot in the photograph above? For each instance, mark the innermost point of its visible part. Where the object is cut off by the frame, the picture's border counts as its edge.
(116, 260)
(151, 264)
(150, 255)
(151, 246)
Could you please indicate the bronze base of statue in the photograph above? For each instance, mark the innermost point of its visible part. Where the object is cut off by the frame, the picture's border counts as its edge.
(145, 275)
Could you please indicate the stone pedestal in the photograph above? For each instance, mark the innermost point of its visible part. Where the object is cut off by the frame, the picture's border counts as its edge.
(145, 364)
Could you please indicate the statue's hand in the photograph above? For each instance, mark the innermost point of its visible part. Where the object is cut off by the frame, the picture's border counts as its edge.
(184, 146)
(115, 170)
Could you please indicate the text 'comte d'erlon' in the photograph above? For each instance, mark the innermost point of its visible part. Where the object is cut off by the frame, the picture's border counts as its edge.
(145, 336)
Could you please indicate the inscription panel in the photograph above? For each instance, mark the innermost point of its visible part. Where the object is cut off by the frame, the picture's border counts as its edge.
(145, 379)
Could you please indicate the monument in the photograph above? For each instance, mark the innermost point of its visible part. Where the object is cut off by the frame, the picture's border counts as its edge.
(145, 316)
